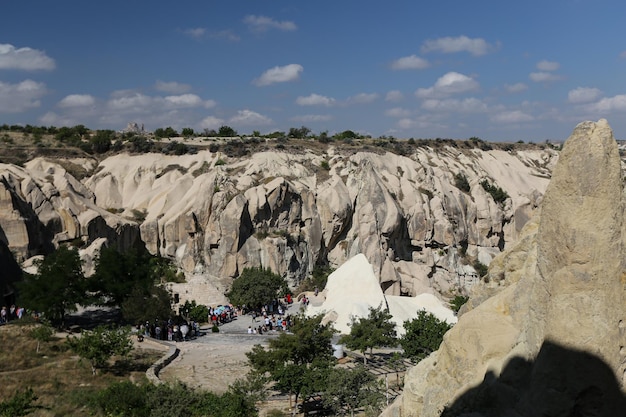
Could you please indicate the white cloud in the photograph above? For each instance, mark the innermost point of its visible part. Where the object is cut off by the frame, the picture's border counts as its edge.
(583, 95)
(195, 33)
(309, 118)
(512, 116)
(249, 117)
(24, 58)
(406, 123)
(410, 62)
(398, 112)
(130, 101)
(362, 98)
(450, 83)
(515, 88)
(609, 104)
(16, 98)
(453, 105)
(475, 46)
(172, 87)
(287, 73)
(211, 122)
(77, 100)
(187, 100)
(394, 95)
(547, 65)
(315, 100)
(264, 23)
(543, 76)
(53, 119)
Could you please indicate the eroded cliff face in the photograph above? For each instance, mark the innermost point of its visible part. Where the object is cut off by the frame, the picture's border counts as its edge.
(42, 205)
(544, 334)
(289, 211)
(217, 215)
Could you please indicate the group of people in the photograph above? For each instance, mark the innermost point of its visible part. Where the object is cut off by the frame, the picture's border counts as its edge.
(12, 313)
(162, 330)
(270, 318)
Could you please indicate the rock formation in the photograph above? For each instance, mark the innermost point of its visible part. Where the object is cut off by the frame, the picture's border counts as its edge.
(353, 289)
(215, 214)
(544, 335)
(42, 205)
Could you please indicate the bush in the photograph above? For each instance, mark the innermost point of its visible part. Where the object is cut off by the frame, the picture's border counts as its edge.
(497, 193)
(457, 302)
(195, 312)
(423, 335)
(461, 182)
(481, 268)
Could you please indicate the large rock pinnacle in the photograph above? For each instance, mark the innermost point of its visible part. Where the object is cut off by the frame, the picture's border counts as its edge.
(551, 341)
(579, 243)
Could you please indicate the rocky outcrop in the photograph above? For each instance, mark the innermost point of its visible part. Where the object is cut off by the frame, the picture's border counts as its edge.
(42, 205)
(545, 334)
(290, 211)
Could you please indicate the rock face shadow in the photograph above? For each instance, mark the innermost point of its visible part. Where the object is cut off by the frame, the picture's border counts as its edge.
(560, 382)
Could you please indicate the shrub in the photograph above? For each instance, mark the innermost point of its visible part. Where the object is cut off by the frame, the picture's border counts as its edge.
(325, 165)
(481, 268)
(423, 335)
(457, 302)
(497, 193)
(461, 182)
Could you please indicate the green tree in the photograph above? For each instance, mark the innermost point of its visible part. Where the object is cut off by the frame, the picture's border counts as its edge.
(299, 133)
(375, 330)
(147, 304)
(42, 333)
(100, 344)
(256, 287)
(21, 404)
(297, 362)
(187, 132)
(348, 390)
(57, 287)
(226, 131)
(195, 312)
(423, 335)
(101, 141)
(117, 274)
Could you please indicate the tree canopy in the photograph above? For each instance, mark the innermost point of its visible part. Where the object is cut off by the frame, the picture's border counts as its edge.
(256, 287)
(57, 287)
(297, 362)
(348, 390)
(100, 344)
(423, 335)
(375, 330)
(117, 274)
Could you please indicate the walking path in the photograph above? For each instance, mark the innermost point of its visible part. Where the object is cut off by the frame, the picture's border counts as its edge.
(213, 361)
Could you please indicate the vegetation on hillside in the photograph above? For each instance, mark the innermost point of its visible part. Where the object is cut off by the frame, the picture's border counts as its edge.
(21, 143)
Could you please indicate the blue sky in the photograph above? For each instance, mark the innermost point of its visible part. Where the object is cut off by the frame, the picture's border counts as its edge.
(500, 70)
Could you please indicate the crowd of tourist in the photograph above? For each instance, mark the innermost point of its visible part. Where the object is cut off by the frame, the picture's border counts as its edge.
(168, 330)
(11, 313)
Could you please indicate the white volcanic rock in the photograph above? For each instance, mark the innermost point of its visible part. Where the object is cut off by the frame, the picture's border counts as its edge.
(353, 289)
(215, 215)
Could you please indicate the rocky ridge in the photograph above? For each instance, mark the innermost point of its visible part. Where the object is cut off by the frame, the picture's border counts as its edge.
(290, 211)
(544, 333)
